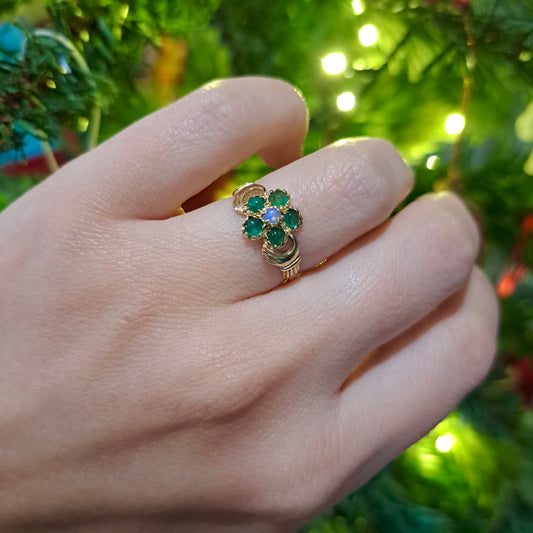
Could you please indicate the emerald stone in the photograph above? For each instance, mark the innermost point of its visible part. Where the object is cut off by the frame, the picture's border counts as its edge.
(253, 227)
(275, 237)
(292, 218)
(256, 203)
(278, 198)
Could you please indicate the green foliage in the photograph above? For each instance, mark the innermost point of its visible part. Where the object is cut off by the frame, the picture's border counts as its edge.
(28, 98)
(9, 5)
(39, 95)
(11, 189)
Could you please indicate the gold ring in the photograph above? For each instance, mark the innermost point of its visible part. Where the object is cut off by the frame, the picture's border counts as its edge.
(270, 216)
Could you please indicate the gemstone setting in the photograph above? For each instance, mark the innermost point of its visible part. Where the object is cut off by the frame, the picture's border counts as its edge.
(292, 219)
(255, 204)
(278, 198)
(253, 227)
(269, 216)
(275, 237)
(272, 215)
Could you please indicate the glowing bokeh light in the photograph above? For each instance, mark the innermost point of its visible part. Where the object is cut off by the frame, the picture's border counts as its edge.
(346, 101)
(358, 7)
(454, 124)
(83, 124)
(445, 442)
(334, 63)
(368, 35)
(432, 162)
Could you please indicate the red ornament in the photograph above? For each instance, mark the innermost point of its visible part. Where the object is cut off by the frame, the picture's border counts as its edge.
(527, 223)
(516, 270)
(509, 280)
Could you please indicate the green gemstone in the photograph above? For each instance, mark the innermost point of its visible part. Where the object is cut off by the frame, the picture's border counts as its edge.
(253, 227)
(278, 198)
(292, 218)
(256, 203)
(275, 237)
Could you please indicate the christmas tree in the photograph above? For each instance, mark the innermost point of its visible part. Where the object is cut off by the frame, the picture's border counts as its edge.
(449, 82)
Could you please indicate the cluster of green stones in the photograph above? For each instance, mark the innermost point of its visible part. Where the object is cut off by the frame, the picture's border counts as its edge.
(271, 217)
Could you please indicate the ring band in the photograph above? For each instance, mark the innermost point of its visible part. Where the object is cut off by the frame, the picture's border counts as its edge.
(270, 216)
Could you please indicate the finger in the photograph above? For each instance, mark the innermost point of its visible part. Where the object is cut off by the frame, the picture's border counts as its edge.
(381, 285)
(156, 164)
(410, 384)
(342, 192)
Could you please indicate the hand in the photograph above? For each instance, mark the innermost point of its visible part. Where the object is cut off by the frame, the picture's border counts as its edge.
(155, 374)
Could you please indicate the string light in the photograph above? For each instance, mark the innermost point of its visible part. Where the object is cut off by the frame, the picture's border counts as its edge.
(123, 11)
(454, 124)
(358, 7)
(368, 35)
(432, 162)
(346, 101)
(334, 63)
(83, 124)
(445, 442)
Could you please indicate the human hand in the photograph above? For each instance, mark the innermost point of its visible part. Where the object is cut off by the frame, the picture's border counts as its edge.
(156, 376)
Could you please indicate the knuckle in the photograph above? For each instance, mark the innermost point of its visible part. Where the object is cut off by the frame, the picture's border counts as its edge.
(245, 88)
(225, 106)
(491, 303)
(215, 108)
(453, 236)
(217, 114)
(353, 177)
(476, 350)
(389, 161)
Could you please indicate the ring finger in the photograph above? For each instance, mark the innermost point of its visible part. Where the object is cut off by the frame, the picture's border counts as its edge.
(342, 192)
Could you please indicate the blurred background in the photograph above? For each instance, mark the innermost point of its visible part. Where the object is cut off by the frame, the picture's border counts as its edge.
(449, 82)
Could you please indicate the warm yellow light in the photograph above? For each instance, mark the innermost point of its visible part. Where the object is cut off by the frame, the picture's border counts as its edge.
(123, 11)
(358, 7)
(368, 35)
(334, 63)
(445, 442)
(432, 162)
(454, 123)
(83, 124)
(346, 101)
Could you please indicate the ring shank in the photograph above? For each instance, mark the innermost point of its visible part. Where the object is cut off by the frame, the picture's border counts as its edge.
(288, 262)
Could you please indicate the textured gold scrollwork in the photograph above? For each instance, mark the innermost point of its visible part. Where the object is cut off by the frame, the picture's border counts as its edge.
(244, 193)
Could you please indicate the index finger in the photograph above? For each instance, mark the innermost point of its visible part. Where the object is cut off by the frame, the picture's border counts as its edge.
(153, 166)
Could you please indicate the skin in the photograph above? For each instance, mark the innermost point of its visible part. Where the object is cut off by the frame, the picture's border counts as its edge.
(154, 373)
